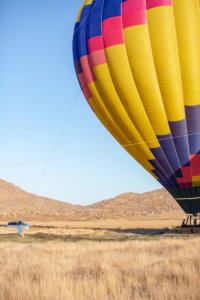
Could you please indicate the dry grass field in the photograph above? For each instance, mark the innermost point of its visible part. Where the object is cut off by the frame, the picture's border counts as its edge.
(103, 251)
(94, 227)
(153, 269)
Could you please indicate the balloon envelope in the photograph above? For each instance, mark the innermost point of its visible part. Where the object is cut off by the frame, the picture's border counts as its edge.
(138, 65)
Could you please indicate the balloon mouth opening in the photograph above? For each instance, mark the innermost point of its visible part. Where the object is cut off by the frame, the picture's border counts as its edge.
(191, 206)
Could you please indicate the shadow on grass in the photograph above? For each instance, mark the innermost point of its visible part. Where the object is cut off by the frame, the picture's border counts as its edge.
(149, 231)
(108, 237)
(40, 237)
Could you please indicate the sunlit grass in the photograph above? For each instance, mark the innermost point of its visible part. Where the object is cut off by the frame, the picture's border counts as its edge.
(150, 269)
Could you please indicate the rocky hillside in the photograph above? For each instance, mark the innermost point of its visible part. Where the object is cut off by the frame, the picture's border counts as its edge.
(132, 204)
(15, 203)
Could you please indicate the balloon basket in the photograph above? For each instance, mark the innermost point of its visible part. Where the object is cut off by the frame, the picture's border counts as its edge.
(191, 222)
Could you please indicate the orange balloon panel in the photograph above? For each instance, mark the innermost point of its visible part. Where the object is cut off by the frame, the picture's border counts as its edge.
(138, 65)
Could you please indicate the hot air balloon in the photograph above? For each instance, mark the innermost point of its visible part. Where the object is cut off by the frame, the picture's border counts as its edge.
(138, 65)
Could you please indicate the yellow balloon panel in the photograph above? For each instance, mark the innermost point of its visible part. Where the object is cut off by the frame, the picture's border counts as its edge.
(143, 69)
(166, 57)
(187, 20)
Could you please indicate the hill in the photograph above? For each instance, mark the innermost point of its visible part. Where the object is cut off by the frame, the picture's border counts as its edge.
(15, 203)
(132, 204)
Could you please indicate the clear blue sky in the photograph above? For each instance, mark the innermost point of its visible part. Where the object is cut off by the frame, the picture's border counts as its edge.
(38, 87)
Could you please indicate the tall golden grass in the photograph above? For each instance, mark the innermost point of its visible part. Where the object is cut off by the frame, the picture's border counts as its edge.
(162, 269)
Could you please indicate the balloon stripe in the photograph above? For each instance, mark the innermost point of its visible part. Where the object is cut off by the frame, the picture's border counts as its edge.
(88, 71)
(98, 58)
(157, 3)
(134, 18)
(112, 33)
(133, 13)
(136, 5)
(95, 43)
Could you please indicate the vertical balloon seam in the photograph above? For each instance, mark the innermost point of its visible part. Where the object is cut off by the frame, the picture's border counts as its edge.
(140, 161)
(130, 124)
(138, 20)
(148, 168)
(192, 112)
(133, 8)
(118, 129)
(191, 107)
(188, 146)
(171, 138)
(76, 29)
(163, 158)
(177, 55)
(184, 120)
(154, 63)
(118, 88)
(96, 83)
(77, 64)
(88, 89)
(130, 143)
(196, 164)
(162, 7)
(194, 82)
(130, 6)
